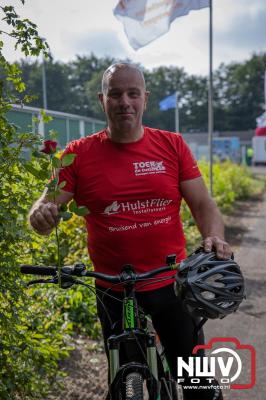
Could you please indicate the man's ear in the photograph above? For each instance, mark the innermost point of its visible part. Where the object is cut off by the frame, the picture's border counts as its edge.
(147, 93)
(100, 97)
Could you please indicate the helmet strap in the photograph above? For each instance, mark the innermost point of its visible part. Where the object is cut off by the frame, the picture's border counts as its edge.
(198, 327)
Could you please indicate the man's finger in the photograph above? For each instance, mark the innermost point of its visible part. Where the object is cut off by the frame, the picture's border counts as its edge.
(207, 244)
(38, 221)
(50, 213)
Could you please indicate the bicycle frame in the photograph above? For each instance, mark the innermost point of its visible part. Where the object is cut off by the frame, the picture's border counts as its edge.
(135, 328)
(134, 322)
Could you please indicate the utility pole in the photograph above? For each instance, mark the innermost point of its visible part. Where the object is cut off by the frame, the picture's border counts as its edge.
(44, 92)
(176, 113)
(44, 86)
(210, 104)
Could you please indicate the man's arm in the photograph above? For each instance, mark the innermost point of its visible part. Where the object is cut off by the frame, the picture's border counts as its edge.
(207, 216)
(43, 216)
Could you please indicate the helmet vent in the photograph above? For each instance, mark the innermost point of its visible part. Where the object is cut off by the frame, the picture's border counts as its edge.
(208, 295)
(226, 305)
(214, 280)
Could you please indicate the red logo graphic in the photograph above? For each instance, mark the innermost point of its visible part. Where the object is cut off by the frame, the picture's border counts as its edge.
(236, 356)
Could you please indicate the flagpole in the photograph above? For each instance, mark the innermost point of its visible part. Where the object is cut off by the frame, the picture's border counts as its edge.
(176, 113)
(210, 102)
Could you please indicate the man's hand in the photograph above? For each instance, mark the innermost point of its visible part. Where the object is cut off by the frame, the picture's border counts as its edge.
(44, 217)
(221, 248)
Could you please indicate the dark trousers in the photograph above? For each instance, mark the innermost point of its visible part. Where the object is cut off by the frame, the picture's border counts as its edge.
(175, 327)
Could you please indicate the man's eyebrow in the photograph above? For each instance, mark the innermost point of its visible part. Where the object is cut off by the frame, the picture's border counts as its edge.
(118, 90)
(134, 88)
(115, 89)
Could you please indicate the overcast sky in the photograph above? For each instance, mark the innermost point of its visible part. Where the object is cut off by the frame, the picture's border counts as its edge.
(79, 27)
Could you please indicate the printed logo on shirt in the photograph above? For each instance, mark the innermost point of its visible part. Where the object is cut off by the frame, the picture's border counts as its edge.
(138, 207)
(148, 167)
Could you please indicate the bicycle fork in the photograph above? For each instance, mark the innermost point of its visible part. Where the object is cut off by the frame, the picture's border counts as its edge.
(132, 330)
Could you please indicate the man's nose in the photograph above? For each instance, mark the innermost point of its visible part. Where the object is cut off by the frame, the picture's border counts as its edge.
(124, 100)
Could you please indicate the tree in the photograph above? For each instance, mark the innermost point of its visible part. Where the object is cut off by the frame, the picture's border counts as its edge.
(238, 92)
(58, 85)
(82, 71)
(239, 97)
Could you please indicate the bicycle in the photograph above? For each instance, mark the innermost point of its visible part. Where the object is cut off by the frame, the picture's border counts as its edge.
(127, 381)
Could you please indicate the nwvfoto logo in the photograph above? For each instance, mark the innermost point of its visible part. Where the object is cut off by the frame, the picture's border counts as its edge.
(112, 209)
(228, 361)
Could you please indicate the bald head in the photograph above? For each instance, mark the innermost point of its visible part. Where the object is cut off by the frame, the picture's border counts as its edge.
(120, 67)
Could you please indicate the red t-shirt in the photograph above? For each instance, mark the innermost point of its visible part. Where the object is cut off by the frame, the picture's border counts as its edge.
(133, 195)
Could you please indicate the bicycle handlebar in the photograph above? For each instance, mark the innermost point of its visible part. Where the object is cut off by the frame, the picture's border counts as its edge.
(79, 270)
(38, 270)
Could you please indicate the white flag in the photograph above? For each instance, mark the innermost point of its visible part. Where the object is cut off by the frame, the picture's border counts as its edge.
(146, 20)
(265, 90)
(261, 120)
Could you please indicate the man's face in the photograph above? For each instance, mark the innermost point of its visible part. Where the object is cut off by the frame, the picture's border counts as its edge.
(124, 100)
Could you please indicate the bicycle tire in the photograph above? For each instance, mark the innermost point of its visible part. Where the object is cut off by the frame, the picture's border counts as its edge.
(134, 386)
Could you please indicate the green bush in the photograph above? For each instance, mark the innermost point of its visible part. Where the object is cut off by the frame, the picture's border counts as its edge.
(231, 182)
(33, 331)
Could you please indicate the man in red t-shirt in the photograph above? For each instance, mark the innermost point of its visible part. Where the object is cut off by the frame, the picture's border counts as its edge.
(132, 179)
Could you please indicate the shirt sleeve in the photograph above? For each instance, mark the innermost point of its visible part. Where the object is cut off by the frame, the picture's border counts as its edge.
(188, 167)
(69, 173)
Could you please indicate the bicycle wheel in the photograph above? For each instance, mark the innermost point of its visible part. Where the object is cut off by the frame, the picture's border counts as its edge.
(134, 386)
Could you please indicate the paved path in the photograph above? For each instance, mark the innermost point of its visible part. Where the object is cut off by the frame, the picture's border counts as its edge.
(248, 325)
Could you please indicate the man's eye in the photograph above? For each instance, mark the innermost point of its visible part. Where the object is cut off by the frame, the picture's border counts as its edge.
(114, 95)
(133, 94)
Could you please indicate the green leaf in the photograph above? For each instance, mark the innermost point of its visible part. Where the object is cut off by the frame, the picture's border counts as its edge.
(53, 195)
(62, 184)
(35, 172)
(38, 154)
(63, 207)
(73, 206)
(46, 118)
(52, 184)
(81, 211)
(56, 162)
(65, 215)
(68, 159)
(38, 336)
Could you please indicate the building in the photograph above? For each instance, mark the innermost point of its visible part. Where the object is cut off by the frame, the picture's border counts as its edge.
(67, 126)
(199, 144)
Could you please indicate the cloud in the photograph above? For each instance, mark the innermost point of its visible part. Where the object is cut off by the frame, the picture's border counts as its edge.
(101, 43)
(246, 31)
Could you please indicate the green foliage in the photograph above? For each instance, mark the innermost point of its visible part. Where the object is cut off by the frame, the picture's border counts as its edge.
(36, 337)
(231, 182)
(24, 32)
(33, 332)
(238, 92)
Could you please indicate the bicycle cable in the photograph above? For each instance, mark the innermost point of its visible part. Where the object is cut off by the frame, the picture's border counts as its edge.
(92, 288)
(154, 280)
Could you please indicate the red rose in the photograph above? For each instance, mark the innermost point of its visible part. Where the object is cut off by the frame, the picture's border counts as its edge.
(49, 147)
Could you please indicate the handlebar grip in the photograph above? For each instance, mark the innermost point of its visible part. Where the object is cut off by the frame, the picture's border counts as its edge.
(38, 270)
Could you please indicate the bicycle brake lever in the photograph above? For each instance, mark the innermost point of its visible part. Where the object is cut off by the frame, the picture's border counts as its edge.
(66, 281)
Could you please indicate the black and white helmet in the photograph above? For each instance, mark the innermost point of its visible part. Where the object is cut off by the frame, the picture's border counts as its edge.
(209, 287)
